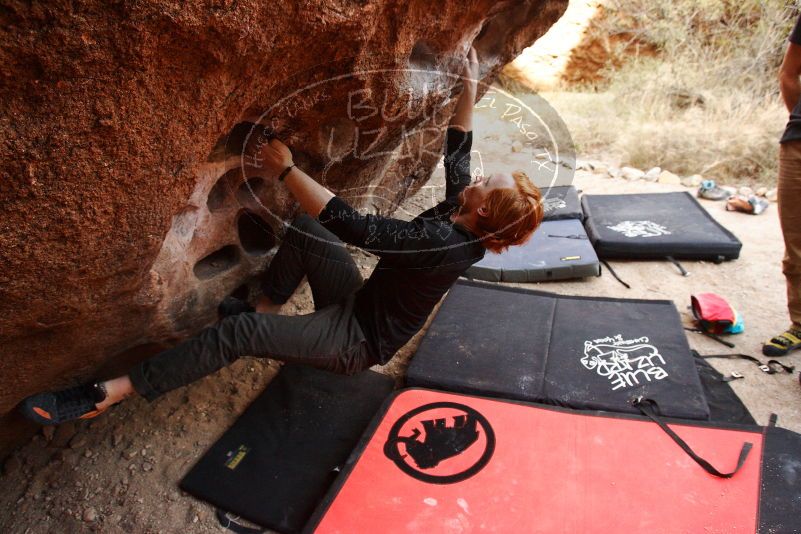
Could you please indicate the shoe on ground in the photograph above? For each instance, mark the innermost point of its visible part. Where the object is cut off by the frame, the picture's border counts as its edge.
(758, 203)
(752, 204)
(785, 342)
(710, 191)
(56, 407)
(739, 203)
(233, 306)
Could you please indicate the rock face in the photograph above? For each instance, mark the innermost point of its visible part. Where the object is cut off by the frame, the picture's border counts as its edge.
(578, 50)
(126, 215)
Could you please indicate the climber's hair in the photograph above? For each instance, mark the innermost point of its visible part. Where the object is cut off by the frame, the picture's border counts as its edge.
(514, 214)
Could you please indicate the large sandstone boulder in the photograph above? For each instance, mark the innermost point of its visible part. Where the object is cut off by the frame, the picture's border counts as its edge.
(126, 215)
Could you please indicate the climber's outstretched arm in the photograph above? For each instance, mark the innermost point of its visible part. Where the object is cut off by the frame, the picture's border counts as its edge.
(463, 115)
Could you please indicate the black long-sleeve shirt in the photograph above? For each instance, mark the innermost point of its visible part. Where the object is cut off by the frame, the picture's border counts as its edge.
(792, 131)
(419, 259)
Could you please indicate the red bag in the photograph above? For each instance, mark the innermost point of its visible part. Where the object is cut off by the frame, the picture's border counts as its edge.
(715, 315)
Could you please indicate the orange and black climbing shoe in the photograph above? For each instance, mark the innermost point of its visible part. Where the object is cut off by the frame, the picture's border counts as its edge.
(55, 407)
(783, 343)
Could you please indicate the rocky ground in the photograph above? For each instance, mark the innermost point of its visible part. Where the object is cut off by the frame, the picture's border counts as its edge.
(119, 473)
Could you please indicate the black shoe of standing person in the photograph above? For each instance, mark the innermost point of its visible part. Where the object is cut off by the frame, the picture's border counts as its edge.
(233, 306)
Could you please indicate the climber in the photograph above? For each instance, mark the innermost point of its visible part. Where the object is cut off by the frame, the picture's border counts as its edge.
(355, 325)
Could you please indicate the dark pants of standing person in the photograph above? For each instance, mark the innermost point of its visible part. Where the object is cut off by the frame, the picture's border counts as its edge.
(789, 198)
(330, 338)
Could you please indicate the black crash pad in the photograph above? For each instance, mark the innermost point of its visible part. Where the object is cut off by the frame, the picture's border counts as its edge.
(279, 458)
(655, 226)
(579, 352)
(724, 404)
(561, 202)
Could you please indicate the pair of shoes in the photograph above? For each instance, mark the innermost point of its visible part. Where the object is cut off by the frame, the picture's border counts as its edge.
(233, 306)
(710, 191)
(56, 407)
(785, 342)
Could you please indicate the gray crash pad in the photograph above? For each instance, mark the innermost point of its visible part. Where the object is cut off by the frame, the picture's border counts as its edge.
(558, 250)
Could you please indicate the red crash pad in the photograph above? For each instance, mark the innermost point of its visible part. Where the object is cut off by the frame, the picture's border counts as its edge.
(443, 462)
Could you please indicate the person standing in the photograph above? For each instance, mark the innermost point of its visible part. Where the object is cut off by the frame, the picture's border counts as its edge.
(789, 195)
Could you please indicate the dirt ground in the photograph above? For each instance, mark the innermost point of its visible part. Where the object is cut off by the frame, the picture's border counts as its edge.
(119, 473)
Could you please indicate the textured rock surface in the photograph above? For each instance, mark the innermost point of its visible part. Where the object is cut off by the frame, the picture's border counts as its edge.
(124, 214)
(578, 50)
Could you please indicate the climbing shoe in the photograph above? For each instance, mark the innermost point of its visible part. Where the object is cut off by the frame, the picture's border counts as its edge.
(53, 408)
(783, 343)
(233, 306)
(710, 191)
(752, 204)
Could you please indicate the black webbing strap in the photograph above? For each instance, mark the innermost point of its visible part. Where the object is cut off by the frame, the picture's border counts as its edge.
(773, 419)
(734, 356)
(647, 406)
(678, 265)
(572, 236)
(786, 368)
(769, 367)
(711, 336)
(733, 376)
(231, 523)
(612, 271)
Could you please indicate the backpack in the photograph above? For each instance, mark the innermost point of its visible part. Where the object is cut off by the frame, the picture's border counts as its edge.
(714, 315)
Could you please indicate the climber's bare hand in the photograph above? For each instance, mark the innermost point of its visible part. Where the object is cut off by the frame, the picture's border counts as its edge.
(275, 157)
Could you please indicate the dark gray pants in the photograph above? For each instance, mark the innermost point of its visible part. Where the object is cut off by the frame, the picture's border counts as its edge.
(330, 338)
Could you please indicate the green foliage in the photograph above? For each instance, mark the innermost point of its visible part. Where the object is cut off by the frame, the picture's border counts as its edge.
(706, 102)
(707, 43)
